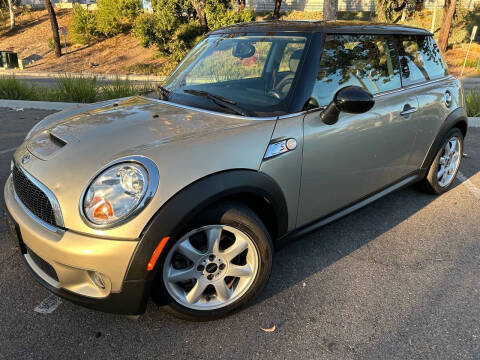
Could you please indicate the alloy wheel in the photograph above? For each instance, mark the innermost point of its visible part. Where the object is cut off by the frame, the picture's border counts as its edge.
(210, 267)
(449, 162)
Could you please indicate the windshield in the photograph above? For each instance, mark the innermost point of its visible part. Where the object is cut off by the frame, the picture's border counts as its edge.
(245, 74)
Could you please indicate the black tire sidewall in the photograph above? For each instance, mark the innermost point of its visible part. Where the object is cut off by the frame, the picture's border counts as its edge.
(242, 218)
(431, 180)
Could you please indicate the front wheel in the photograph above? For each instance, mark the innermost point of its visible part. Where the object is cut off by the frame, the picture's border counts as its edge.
(444, 167)
(219, 265)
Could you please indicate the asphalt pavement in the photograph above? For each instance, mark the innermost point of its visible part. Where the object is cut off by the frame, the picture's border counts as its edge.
(398, 279)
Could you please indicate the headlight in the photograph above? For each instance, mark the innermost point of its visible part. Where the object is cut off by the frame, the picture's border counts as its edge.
(119, 191)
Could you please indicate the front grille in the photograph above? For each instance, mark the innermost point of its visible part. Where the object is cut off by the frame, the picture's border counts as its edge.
(32, 197)
(42, 264)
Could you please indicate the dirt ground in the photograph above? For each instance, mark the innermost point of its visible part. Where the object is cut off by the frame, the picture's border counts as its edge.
(115, 55)
(112, 55)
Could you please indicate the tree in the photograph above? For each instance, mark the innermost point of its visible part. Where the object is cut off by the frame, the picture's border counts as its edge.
(330, 9)
(448, 13)
(276, 11)
(392, 11)
(200, 6)
(53, 22)
(12, 14)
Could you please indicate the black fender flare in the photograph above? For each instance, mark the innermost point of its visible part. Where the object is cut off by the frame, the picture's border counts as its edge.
(457, 118)
(186, 204)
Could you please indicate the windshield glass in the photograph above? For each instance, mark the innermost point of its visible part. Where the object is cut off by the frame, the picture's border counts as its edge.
(245, 74)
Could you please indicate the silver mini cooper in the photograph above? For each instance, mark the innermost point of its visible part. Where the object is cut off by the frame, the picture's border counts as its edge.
(265, 131)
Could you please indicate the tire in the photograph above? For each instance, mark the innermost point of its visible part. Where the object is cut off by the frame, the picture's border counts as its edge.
(200, 273)
(435, 184)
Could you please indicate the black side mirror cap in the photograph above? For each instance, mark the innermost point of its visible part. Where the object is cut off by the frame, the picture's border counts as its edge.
(350, 99)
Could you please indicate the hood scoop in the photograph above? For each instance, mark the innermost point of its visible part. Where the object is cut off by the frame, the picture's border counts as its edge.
(45, 144)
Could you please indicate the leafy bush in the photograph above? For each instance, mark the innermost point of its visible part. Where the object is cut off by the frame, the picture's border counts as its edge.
(184, 38)
(84, 27)
(220, 14)
(144, 29)
(113, 16)
(472, 100)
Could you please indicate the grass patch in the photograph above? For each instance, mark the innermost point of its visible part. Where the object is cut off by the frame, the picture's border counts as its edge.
(70, 89)
(472, 100)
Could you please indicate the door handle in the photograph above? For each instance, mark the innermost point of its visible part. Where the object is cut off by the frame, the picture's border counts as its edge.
(407, 110)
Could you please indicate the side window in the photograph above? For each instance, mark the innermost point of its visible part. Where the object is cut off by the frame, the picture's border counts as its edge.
(420, 59)
(369, 61)
(292, 50)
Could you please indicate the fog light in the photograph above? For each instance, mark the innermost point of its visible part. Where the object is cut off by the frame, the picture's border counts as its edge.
(97, 279)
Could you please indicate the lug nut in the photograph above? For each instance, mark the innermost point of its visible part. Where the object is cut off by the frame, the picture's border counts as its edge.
(211, 257)
(222, 266)
(210, 277)
(200, 268)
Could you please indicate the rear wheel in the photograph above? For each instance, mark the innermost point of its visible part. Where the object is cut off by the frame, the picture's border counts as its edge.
(444, 167)
(219, 265)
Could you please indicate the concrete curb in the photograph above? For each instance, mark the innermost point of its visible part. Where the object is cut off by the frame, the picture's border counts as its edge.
(26, 74)
(38, 105)
(474, 122)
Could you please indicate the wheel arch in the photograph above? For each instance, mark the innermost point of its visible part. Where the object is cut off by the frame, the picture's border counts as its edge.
(252, 188)
(457, 118)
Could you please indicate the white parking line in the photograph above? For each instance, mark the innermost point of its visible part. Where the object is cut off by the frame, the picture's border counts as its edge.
(471, 186)
(6, 151)
(48, 305)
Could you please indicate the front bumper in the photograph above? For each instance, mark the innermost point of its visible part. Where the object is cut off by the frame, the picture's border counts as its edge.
(74, 259)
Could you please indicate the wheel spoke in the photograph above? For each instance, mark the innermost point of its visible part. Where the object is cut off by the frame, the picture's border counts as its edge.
(197, 291)
(447, 148)
(213, 239)
(239, 270)
(176, 275)
(186, 249)
(441, 172)
(453, 145)
(223, 292)
(239, 246)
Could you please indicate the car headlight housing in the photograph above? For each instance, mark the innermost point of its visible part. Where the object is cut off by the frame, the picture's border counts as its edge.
(119, 192)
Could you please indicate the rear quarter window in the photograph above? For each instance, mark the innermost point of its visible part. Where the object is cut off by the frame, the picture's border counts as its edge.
(420, 59)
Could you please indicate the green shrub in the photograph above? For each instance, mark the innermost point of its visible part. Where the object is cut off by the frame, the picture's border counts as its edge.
(113, 16)
(472, 100)
(84, 27)
(12, 88)
(220, 14)
(77, 89)
(184, 38)
(144, 29)
(51, 43)
(122, 88)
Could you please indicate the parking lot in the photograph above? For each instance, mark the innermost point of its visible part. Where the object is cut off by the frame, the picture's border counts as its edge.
(398, 279)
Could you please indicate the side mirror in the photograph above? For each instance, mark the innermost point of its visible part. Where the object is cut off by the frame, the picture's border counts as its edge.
(350, 99)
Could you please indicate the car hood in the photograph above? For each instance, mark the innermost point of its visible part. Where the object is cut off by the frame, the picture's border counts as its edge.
(69, 148)
(126, 127)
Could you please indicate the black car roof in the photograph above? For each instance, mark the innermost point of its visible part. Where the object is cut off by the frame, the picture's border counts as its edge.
(338, 27)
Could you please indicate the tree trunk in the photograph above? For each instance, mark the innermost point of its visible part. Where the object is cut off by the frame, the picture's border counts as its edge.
(242, 5)
(448, 13)
(12, 14)
(54, 24)
(200, 6)
(330, 9)
(276, 11)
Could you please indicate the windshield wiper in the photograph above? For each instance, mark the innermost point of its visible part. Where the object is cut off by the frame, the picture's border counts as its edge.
(163, 93)
(219, 100)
